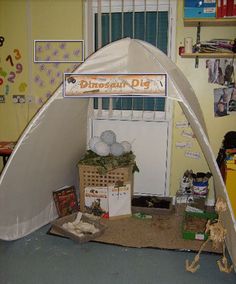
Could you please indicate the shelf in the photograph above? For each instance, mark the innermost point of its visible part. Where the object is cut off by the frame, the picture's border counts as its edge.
(210, 22)
(208, 55)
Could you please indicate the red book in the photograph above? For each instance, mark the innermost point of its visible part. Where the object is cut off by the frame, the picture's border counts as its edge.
(234, 9)
(230, 7)
(224, 8)
(219, 9)
(66, 201)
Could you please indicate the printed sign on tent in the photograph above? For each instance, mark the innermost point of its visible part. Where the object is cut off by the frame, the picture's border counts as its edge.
(95, 85)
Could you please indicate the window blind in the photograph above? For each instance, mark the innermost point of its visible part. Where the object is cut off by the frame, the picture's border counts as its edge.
(151, 26)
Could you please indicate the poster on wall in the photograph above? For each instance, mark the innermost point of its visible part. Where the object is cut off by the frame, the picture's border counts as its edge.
(224, 101)
(54, 51)
(52, 58)
(221, 71)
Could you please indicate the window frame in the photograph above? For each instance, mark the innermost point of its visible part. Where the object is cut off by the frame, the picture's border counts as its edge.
(151, 5)
(90, 8)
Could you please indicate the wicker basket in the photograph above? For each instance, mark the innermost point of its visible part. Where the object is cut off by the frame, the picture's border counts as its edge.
(89, 176)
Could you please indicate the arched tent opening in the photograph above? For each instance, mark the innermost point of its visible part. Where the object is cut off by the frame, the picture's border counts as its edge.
(46, 155)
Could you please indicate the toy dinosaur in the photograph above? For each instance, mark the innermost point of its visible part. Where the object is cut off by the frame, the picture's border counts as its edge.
(217, 234)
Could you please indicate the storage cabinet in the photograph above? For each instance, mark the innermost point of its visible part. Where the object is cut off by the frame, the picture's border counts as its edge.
(230, 182)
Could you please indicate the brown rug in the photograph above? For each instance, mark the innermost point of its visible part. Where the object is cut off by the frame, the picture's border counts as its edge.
(162, 231)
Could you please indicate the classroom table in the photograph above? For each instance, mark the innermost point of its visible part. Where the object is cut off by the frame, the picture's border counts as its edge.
(6, 148)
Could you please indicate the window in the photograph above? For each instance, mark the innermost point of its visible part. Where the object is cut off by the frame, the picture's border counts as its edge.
(149, 26)
(141, 19)
(151, 21)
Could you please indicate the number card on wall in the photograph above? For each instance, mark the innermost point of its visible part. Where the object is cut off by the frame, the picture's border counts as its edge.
(119, 200)
(11, 70)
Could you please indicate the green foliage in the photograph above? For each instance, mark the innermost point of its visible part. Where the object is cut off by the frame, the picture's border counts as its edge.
(110, 162)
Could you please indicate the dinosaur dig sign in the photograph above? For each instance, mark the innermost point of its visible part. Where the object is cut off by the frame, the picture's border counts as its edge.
(94, 85)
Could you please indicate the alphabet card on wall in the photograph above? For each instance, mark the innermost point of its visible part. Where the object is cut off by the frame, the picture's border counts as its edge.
(119, 197)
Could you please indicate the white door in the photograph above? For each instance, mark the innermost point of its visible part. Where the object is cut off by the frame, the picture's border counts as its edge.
(149, 144)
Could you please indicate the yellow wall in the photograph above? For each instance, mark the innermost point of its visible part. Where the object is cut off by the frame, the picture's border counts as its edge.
(198, 78)
(13, 29)
(22, 22)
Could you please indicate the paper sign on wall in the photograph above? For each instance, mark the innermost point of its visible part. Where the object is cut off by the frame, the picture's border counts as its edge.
(182, 124)
(187, 133)
(192, 155)
(183, 145)
(2, 99)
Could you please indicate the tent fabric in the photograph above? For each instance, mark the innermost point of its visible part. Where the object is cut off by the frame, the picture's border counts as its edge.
(46, 155)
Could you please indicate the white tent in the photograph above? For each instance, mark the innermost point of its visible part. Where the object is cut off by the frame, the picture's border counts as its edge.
(46, 155)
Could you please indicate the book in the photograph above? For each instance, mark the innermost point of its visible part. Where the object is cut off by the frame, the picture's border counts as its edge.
(229, 7)
(96, 200)
(224, 8)
(66, 201)
(234, 8)
(219, 9)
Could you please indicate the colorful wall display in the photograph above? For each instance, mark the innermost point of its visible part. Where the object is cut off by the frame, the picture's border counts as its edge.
(11, 68)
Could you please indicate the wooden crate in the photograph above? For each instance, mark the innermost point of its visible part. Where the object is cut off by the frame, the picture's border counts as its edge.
(89, 176)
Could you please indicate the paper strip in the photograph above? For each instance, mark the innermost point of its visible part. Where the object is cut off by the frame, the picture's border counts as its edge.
(192, 155)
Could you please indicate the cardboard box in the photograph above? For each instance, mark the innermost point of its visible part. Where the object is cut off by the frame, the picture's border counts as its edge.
(197, 3)
(199, 9)
(230, 181)
(208, 12)
(58, 225)
(163, 205)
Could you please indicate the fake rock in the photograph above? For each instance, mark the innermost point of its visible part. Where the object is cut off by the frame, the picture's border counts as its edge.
(109, 137)
(102, 149)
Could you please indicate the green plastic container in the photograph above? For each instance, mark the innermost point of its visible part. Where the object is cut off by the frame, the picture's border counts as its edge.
(198, 235)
